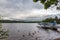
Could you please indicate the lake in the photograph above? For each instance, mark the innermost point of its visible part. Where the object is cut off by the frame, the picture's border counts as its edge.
(25, 31)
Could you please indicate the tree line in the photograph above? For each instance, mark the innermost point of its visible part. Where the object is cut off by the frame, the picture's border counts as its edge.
(52, 19)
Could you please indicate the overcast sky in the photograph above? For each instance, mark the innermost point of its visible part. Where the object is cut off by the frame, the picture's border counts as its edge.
(23, 8)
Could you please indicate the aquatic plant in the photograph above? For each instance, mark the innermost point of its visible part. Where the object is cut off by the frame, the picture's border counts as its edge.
(3, 33)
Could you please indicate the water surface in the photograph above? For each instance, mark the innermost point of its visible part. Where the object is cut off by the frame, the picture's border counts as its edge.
(16, 30)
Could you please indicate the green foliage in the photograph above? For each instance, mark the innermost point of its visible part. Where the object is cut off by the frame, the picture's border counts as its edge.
(35, 0)
(43, 1)
(52, 19)
(3, 33)
(49, 20)
(47, 3)
(53, 1)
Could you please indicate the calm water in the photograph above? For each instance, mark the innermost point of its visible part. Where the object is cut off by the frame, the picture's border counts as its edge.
(16, 30)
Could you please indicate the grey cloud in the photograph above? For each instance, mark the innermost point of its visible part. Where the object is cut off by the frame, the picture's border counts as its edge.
(9, 8)
(18, 5)
(21, 4)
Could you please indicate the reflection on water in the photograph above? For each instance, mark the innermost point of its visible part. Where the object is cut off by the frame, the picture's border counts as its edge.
(28, 31)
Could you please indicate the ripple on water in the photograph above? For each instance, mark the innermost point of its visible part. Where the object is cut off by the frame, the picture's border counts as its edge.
(28, 31)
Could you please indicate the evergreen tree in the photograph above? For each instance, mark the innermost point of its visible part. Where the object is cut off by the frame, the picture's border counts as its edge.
(56, 18)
